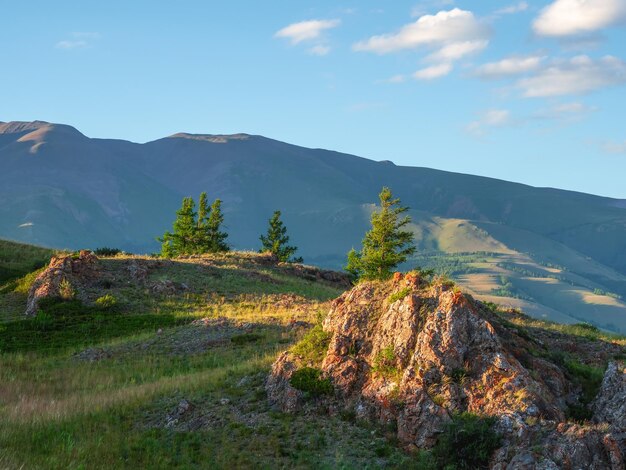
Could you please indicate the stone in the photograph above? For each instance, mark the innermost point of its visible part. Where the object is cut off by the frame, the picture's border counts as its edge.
(65, 272)
(414, 361)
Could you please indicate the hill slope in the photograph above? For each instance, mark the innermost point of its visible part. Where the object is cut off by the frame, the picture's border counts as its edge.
(18, 259)
(172, 374)
(60, 188)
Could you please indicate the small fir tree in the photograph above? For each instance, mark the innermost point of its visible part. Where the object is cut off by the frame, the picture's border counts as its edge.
(202, 239)
(195, 233)
(276, 240)
(215, 238)
(182, 240)
(386, 244)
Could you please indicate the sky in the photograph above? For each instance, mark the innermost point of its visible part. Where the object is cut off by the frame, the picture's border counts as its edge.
(530, 91)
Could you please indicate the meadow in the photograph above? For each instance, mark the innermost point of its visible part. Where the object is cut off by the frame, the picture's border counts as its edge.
(83, 386)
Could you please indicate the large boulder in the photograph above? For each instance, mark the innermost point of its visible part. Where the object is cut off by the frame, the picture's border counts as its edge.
(62, 278)
(412, 354)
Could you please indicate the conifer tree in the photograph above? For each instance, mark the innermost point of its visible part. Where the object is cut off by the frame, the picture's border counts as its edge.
(202, 236)
(183, 239)
(195, 233)
(203, 208)
(215, 238)
(386, 244)
(276, 240)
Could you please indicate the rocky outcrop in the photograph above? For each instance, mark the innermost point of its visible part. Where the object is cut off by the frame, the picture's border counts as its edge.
(62, 278)
(409, 354)
(610, 404)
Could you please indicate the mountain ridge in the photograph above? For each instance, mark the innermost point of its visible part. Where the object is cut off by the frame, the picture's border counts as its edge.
(65, 190)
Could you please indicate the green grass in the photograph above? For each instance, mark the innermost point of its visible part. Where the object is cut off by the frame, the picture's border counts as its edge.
(17, 259)
(467, 442)
(58, 411)
(313, 346)
(401, 294)
(310, 381)
(68, 325)
(385, 363)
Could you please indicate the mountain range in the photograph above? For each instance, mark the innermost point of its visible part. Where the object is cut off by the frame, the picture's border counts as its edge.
(554, 253)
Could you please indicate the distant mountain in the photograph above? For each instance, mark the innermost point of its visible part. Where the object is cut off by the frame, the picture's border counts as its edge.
(62, 189)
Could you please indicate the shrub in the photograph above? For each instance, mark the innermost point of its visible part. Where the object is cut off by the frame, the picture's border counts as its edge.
(385, 362)
(308, 380)
(401, 294)
(459, 375)
(467, 442)
(313, 345)
(66, 291)
(590, 379)
(106, 251)
(106, 302)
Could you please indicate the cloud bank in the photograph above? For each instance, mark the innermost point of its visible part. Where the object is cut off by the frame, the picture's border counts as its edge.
(574, 17)
(306, 30)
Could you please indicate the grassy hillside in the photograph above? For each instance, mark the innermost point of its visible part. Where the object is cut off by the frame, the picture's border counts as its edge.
(18, 259)
(539, 276)
(83, 386)
(170, 373)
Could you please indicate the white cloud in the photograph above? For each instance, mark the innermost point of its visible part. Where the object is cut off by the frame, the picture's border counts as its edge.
(432, 72)
(435, 31)
(512, 9)
(579, 75)
(571, 17)
(306, 30)
(490, 119)
(79, 40)
(497, 117)
(457, 50)
(565, 112)
(320, 50)
(395, 79)
(67, 44)
(510, 66)
(614, 147)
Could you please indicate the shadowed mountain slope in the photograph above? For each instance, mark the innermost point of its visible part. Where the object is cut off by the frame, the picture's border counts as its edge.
(60, 188)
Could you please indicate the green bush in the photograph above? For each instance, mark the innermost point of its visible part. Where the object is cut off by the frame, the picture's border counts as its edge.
(66, 290)
(308, 380)
(459, 375)
(385, 362)
(590, 379)
(106, 302)
(467, 442)
(313, 346)
(401, 294)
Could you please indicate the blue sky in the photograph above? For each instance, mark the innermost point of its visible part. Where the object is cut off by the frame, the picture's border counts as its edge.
(531, 91)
